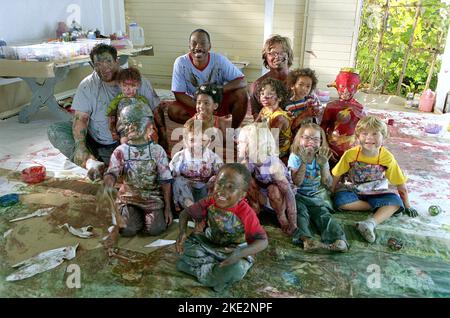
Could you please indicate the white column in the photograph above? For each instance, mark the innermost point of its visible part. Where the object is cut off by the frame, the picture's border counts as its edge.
(443, 84)
(268, 24)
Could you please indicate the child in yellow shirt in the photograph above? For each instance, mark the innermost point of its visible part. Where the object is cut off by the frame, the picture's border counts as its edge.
(370, 166)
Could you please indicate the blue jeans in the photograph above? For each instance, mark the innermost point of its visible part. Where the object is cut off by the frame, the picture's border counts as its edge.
(375, 201)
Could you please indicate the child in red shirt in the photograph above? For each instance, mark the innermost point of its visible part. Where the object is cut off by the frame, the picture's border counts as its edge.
(218, 256)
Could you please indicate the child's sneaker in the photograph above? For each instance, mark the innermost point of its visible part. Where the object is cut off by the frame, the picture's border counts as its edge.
(339, 246)
(311, 245)
(367, 230)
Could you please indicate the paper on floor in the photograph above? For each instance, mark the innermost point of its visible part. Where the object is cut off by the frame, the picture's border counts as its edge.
(160, 242)
(42, 262)
(83, 232)
(40, 212)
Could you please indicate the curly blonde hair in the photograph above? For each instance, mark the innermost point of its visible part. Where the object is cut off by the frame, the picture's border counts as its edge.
(259, 140)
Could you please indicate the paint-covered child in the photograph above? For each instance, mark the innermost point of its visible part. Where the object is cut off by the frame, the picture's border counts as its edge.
(273, 95)
(145, 195)
(222, 255)
(370, 168)
(194, 165)
(129, 80)
(303, 105)
(310, 171)
(271, 185)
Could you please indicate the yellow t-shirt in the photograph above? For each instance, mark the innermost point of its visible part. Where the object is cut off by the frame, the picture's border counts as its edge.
(285, 136)
(385, 158)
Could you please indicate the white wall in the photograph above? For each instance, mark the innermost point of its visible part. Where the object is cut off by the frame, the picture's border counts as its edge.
(443, 85)
(332, 33)
(32, 21)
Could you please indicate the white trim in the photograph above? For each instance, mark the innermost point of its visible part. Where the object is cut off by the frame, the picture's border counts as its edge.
(352, 60)
(6, 81)
(268, 24)
(443, 84)
(305, 28)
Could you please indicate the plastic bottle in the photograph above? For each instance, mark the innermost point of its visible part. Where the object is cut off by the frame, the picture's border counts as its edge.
(137, 35)
(427, 101)
(409, 100)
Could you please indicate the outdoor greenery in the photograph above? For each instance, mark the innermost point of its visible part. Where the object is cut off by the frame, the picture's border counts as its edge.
(429, 37)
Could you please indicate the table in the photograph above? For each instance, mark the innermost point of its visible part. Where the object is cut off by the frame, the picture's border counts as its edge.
(52, 72)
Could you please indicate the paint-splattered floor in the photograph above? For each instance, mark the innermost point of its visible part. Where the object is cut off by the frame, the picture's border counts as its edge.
(420, 268)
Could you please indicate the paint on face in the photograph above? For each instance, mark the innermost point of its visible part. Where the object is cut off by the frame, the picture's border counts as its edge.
(268, 97)
(129, 88)
(199, 47)
(135, 122)
(370, 141)
(105, 66)
(228, 189)
(347, 84)
(302, 87)
(310, 140)
(205, 106)
(276, 57)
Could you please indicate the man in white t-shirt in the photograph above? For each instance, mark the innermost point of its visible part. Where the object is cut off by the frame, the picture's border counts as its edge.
(201, 66)
(88, 135)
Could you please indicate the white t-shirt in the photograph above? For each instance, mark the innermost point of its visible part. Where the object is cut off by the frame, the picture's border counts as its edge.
(186, 78)
(93, 96)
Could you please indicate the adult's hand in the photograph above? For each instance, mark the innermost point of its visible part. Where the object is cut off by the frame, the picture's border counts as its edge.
(81, 155)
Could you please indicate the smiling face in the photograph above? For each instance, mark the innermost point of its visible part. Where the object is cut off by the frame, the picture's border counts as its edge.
(302, 87)
(129, 88)
(276, 57)
(347, 85)
(205, 106)
(199, 47)
(310, 140)
(105, 66)
(370, 140)
(228, 189)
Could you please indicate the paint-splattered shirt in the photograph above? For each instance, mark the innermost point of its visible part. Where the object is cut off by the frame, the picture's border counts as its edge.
(393, 173)
(140, 187)
(247, 216)
(93, 96)
(201, 169)
(186, 78)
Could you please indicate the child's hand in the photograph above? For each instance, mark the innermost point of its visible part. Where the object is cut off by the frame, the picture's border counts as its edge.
(315, 111)
(305, 155)
(179, 245)
(411, 212)
(233, 258)
(323, 156)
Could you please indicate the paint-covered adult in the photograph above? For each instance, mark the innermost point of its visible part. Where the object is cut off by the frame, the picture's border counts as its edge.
(277, 56)
(200, 66)
(88, 136)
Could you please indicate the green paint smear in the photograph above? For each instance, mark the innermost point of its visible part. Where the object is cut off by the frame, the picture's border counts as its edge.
(420, 269)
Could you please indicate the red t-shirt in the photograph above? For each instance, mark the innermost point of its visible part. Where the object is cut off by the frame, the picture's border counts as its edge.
(252, 228)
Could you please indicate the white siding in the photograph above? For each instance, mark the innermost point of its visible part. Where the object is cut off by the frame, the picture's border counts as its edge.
(330, 33)
(237, 27)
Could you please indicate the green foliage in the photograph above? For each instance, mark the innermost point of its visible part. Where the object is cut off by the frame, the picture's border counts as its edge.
(432, 25)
